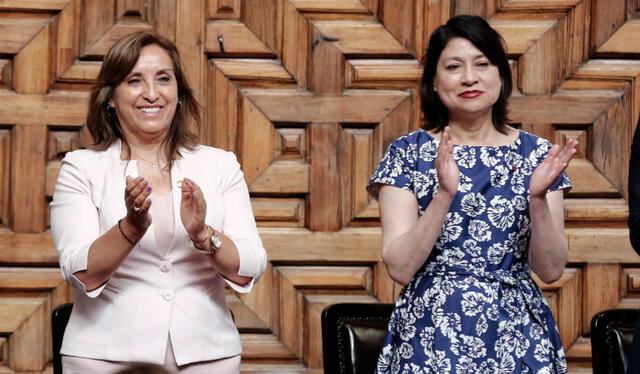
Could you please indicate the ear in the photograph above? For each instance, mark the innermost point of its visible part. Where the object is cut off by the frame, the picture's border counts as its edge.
(435, 87)
(111, 104)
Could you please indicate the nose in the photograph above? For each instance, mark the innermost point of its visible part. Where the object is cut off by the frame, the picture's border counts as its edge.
(150, 92)
(469, 76)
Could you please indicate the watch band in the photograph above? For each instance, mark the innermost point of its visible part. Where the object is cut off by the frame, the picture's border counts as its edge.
(215, 239)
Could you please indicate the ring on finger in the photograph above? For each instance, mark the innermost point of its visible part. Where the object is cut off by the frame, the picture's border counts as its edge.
(136, 209)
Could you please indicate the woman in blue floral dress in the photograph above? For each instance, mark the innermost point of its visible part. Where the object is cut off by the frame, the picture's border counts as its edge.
(469, 207)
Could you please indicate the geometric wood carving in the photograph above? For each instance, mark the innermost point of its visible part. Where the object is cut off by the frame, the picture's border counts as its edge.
(309, 94)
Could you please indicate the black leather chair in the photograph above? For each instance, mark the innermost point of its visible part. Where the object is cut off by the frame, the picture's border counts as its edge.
(59, 319)
(352, 336)
(611, 340)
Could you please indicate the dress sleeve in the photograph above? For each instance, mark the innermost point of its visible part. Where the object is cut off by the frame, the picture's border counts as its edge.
(562, 183)
(74, 221)
(634, 191)
(240, 227)
(395, 169)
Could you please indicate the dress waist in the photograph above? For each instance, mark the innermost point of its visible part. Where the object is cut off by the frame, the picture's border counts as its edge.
(513, 277)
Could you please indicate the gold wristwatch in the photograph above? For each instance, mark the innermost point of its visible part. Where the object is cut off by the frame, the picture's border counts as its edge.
(216, 243)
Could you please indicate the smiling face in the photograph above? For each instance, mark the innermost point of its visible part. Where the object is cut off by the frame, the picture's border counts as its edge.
(145, 101)
(466, 82)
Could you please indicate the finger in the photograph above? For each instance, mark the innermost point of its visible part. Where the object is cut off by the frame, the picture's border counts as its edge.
(444, 145)
(130, 184)
(142, 198)
(193, 194)
(198, 198)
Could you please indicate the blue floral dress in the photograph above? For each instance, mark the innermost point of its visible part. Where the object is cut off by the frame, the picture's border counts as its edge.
(473, 306)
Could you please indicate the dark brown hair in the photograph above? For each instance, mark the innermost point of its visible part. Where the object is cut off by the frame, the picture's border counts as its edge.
(486, 39)
(102, 121)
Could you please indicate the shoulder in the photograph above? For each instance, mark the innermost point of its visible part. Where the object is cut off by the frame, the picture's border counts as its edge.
(210, 157)
(205, 152)
(530, 143)
(87, 157)
(533, 141)
(413, 143)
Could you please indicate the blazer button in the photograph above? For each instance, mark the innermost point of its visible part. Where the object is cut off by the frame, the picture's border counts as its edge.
(167, 295)
(165, 266)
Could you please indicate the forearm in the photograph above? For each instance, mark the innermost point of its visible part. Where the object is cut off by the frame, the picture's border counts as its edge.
(226, 261)
(548, 252)
(405, 254)
(107, 253)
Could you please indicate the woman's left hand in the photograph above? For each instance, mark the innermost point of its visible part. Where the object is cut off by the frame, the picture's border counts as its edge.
(551, 167)
(193, 209)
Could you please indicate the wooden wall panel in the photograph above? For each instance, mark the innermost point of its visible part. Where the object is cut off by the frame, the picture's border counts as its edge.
(309, 93)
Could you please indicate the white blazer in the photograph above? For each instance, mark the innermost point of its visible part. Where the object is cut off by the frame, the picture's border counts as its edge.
(152, 296)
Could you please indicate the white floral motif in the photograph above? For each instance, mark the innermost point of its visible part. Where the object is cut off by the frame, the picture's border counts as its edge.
(471, 246)
(479, 230)
(499, 176)
(429, 151)
(465, 184)
(473, 204)
(496, 253)
(449, 324)
(469, 346)
(500, 213)
(406, 350)
(482, 325)
(490, 156)
(465, 156)
(451, 229)
(473, 303)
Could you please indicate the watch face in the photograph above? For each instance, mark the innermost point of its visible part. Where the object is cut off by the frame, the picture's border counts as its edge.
(216, 241)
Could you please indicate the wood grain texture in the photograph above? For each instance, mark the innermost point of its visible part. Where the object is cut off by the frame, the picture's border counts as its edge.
(309, 94)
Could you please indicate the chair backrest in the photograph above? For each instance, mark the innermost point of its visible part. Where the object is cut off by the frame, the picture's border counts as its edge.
(611, 340)
(352, 336)
(59, 319)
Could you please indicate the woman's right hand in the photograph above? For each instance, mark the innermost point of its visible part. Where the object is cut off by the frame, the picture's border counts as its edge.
(448, 172)
(137, 202)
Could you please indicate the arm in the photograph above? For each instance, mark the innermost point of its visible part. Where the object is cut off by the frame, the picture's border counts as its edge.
(548, 251)
(241, 258)
(634, 191)
(110, 249)
(408, 240)
(87, 259)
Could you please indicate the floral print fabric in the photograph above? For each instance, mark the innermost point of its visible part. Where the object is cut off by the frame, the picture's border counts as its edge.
(473, 306)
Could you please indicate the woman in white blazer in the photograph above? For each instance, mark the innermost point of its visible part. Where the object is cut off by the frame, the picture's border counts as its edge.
(149, 225)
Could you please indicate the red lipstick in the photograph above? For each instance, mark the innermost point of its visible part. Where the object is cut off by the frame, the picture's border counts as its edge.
(470, 94)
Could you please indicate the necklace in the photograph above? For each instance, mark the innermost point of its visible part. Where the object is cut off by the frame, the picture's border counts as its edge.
(153, 164)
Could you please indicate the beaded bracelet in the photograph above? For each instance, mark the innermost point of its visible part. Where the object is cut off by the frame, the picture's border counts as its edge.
(123, 234)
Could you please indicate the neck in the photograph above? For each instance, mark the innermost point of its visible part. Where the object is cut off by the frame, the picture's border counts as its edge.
(153, 153)
(477, 130)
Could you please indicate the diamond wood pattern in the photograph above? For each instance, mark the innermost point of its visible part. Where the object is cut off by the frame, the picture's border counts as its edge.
(309, 93)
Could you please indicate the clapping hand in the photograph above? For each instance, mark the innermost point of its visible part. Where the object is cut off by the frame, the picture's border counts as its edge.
(448, 172)
(193, 209)
(136, 200)
(551, 167)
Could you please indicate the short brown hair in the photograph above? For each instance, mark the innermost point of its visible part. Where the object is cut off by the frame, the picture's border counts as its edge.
(102, 121)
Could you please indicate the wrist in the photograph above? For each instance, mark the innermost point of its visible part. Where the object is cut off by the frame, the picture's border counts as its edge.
(202, 238)
(135, 230)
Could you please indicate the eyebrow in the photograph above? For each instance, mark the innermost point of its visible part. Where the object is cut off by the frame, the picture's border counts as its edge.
(457, 58)
(162, 71)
